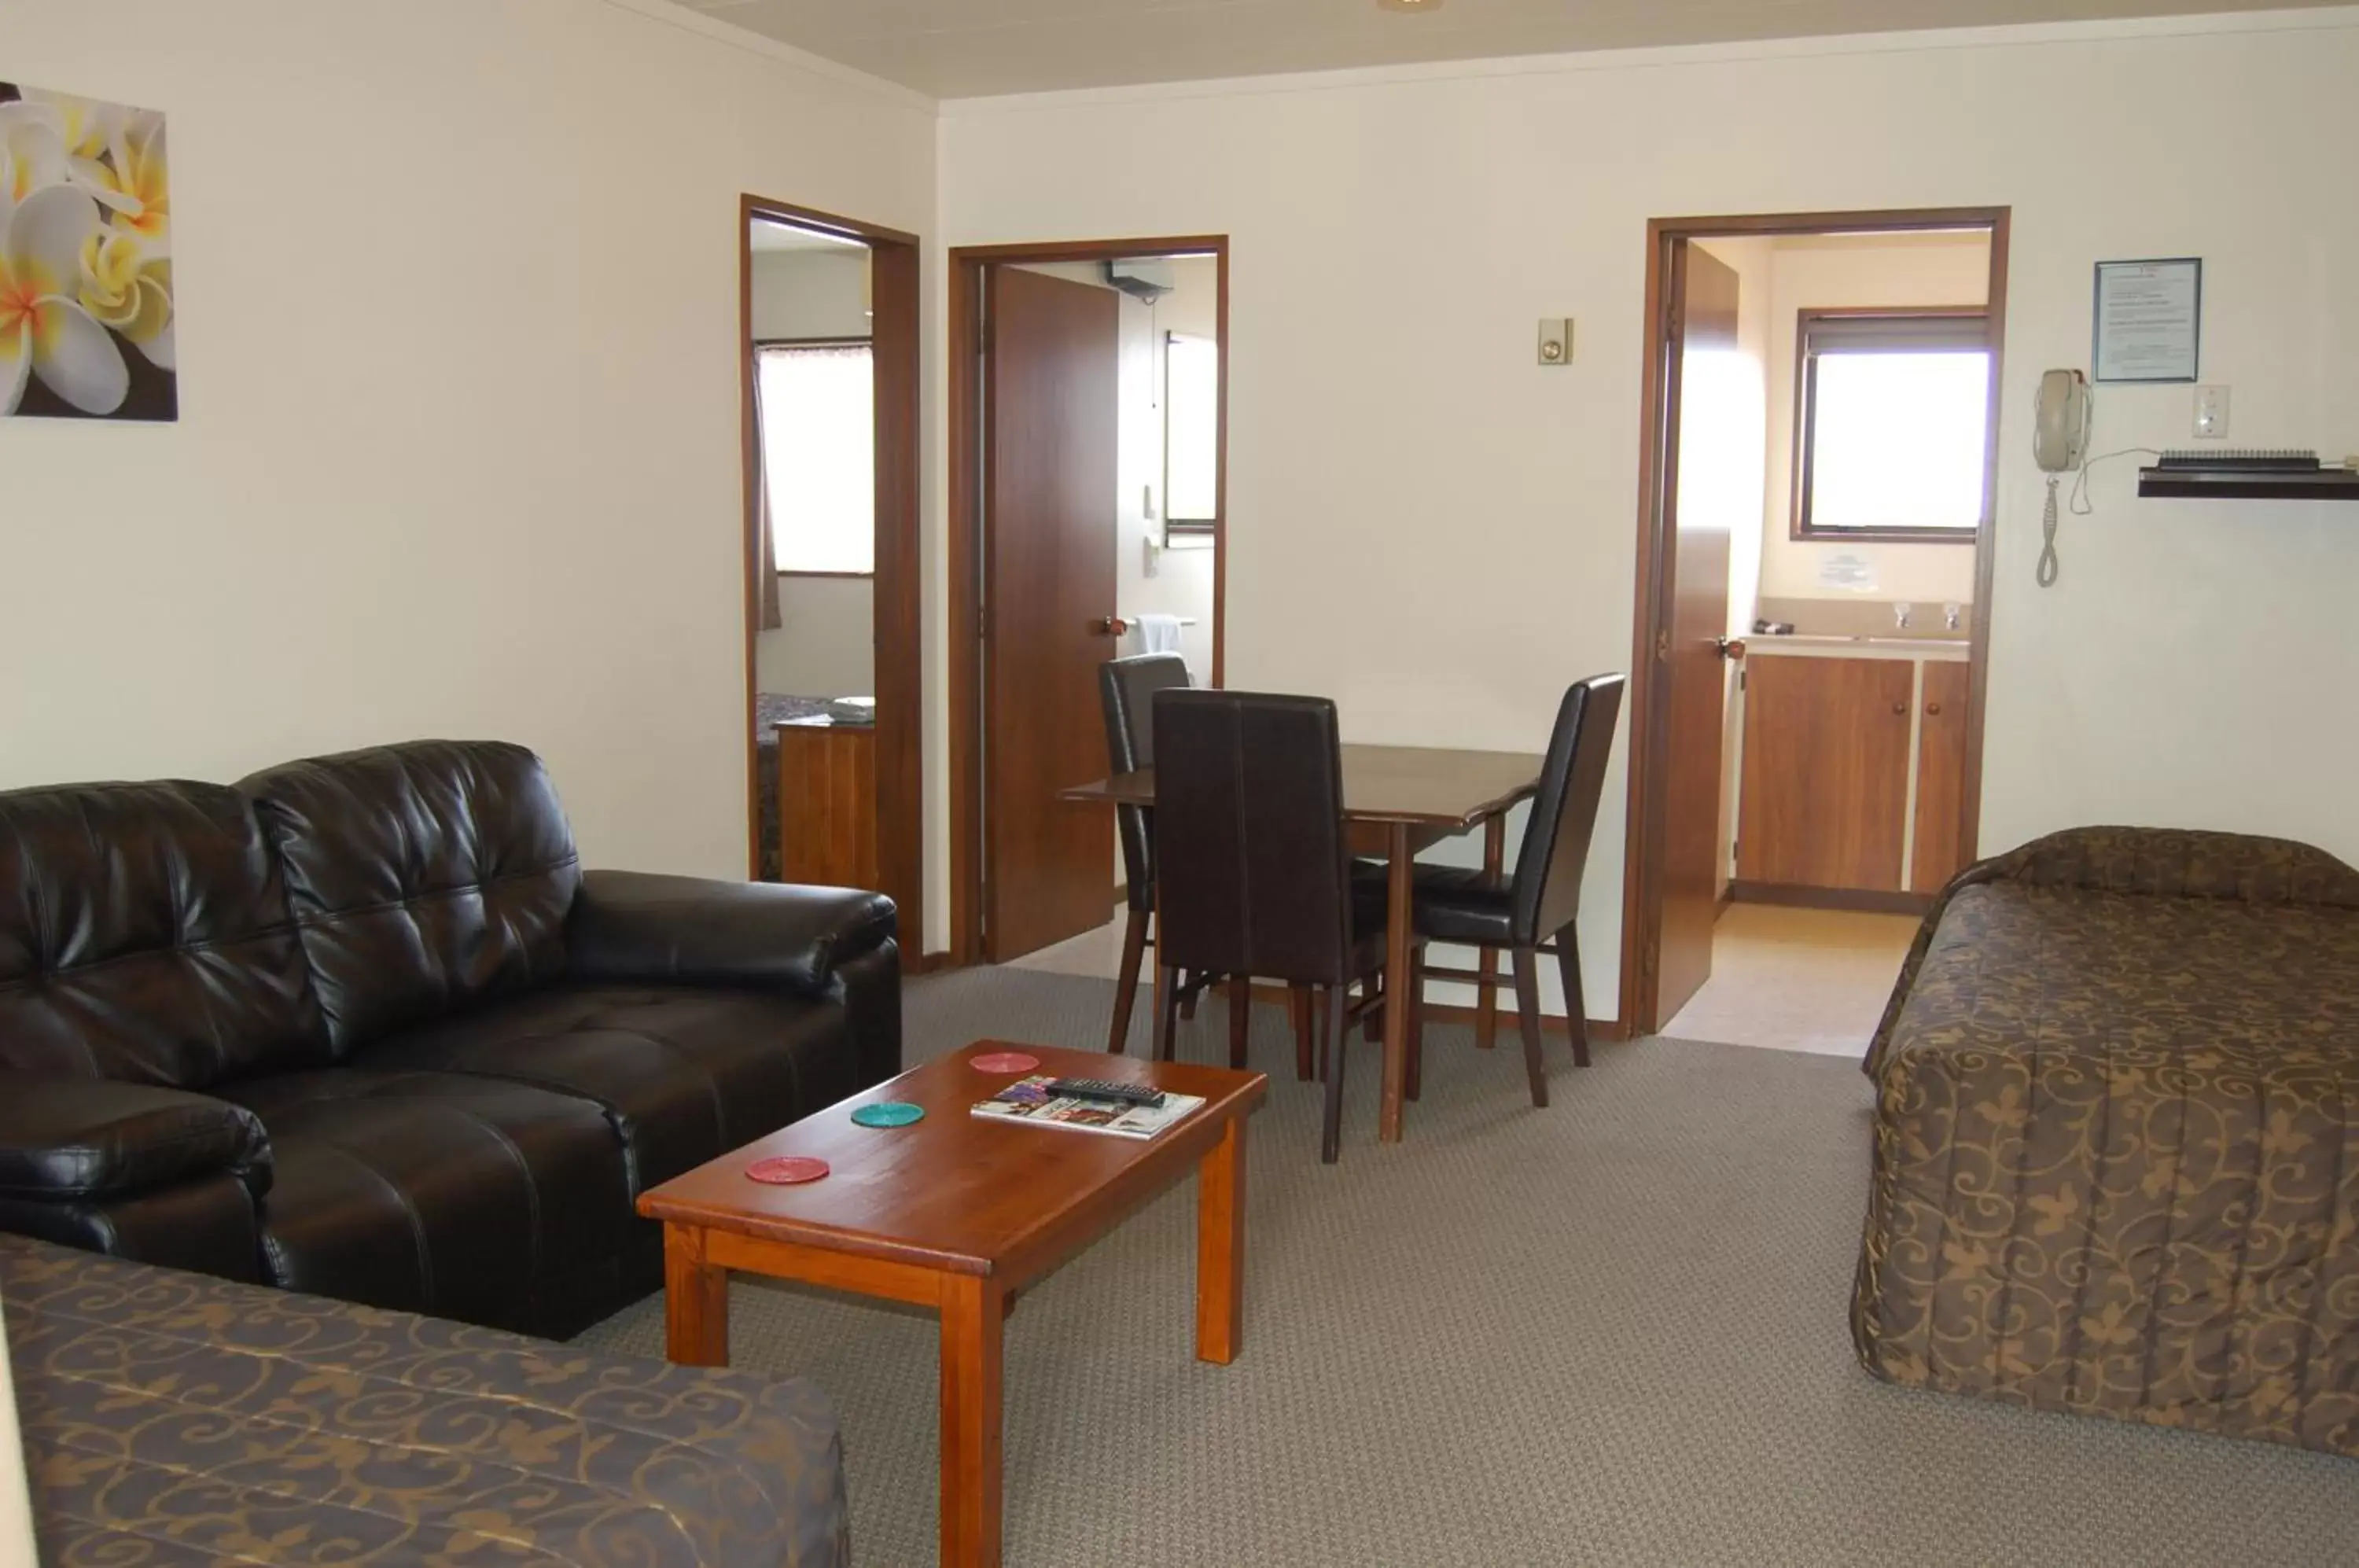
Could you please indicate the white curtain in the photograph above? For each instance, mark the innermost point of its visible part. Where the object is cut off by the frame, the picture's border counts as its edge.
(819, 456)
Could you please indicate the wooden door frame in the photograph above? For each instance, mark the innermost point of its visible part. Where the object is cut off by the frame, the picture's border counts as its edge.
(1642, 887)
(895, 344)
(968, 265)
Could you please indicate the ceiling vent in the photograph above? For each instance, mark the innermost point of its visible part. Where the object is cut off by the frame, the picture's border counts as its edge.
(1146, 280)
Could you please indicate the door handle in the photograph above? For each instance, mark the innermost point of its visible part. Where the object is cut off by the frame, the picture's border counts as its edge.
(1729, 647)
(1109, 625)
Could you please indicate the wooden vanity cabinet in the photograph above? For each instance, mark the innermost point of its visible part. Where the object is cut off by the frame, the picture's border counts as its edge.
(827, 803)
(1825, 800)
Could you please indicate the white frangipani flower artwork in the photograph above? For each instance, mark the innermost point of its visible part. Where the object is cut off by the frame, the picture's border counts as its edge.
(86, 307)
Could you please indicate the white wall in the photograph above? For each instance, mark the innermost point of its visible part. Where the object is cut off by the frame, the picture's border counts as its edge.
(826, 643)
(1470, 518)
(811, 294)
(458, 379)
(1832, 273)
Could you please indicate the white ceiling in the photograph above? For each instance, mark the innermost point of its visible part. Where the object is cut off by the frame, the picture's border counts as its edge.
(965, 48)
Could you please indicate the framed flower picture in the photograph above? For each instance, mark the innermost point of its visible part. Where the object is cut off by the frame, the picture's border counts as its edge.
(86, 303)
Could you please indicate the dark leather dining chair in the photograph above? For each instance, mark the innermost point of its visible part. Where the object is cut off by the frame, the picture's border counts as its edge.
(1252, 870)
(1532, 911)
(1126, 689)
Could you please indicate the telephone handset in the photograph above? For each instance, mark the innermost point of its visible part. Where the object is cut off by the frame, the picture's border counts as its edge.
(2060, 437)
(2059, 444)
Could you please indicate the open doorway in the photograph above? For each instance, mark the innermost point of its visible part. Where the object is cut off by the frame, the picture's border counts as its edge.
(1822, 396)
(1088, 443)
(829, 326)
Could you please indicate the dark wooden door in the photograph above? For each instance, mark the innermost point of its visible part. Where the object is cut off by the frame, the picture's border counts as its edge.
(1939, 851)
(1825, 797)
(1698, 525)
(1051, 385)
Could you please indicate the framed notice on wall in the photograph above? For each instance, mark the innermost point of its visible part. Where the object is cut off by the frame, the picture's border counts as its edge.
(2149, 319)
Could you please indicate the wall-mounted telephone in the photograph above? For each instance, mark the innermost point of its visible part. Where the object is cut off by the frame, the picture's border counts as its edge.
(2059, 444)
(2060, 435)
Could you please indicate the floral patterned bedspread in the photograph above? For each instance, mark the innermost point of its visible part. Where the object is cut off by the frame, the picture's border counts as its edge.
(176, 1418)
(2116, 1153)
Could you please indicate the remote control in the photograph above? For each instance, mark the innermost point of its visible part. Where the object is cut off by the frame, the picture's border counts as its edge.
(1111, 1093)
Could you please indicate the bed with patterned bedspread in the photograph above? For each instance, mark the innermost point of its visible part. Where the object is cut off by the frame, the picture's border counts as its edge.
(2117, 1144)
(176, 1418)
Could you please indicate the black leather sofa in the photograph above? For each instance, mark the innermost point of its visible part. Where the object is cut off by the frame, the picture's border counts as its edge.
(363, 1027)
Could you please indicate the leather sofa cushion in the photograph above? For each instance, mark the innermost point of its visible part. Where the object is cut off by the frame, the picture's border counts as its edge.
(471, 1198)
(71, 1137)
(145, 937)
(423, 877)
(685, 1075)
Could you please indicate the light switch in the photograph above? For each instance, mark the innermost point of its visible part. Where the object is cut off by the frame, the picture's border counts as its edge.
(2212, 413)
(1556, 341)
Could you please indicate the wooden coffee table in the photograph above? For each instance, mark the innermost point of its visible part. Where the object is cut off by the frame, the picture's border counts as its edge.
(958, 1213)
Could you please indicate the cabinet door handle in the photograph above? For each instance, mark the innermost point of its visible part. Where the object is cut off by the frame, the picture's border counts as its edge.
(1934, 709)
(1900, 708)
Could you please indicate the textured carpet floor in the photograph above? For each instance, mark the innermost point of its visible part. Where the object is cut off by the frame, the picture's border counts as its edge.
(1609, 1333)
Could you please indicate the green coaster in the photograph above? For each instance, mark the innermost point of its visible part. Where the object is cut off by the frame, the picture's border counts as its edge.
(888, 1114)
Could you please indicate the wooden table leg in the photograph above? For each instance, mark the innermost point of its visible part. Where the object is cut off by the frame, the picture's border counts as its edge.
(1397, 1015)
(696, 1302)
(972, 1368)
(1486, 994)
(1220, 1248)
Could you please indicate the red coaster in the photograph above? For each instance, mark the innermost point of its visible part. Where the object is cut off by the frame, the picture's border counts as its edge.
(1003, 1062)
(792, 1170)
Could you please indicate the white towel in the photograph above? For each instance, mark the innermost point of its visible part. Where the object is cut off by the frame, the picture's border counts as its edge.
(1158, 634)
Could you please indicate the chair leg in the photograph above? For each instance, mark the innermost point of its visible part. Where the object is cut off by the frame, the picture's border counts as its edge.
(1375, 988)
(1527, 1009)
(1126, 984)
(1412, 996)
(1191, 988)
(1239, 1017)
(1167, 1016)
(1576, 1011)
(1298, 1002)
(1331, 1130)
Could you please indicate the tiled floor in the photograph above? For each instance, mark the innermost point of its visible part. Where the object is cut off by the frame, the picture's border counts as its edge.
(1797, 979)
(1096, 954)
(1787, 979)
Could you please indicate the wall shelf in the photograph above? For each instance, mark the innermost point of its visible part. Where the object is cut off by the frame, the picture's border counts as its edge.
(2247, 476)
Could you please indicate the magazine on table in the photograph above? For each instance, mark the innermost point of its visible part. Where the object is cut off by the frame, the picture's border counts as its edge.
(1032, 1100)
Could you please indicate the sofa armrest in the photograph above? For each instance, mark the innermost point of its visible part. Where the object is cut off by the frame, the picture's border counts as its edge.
(633, 926)
(68, 1140)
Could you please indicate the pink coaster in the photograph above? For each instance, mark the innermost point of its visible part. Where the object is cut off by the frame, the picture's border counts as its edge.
(1003, 1062)
(792, 1170)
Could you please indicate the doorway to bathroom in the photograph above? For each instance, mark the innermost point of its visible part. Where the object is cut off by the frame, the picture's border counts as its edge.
(1088, 459)
(1815, 549)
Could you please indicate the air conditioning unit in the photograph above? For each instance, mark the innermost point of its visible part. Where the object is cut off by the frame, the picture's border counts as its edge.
(1146, 280)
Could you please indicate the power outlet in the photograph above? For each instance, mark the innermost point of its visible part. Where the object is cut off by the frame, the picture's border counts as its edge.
(2212, 413)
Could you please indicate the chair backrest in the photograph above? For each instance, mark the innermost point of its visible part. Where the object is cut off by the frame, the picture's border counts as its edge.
(1128, 687)
(1564, 811)
(1249, 836)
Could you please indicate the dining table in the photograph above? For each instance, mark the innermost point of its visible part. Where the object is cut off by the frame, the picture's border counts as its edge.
(1397, 800)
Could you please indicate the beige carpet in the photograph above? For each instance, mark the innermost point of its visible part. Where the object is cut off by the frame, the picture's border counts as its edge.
(1610, 1332)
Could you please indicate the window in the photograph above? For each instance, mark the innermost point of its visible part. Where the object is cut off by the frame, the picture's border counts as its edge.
(1191, 433)
(1893, 413)
(819, 455)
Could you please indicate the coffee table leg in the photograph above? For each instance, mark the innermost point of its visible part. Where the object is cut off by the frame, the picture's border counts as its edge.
(972, 1370)
(696, 1302)
(1220, 1248)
